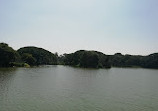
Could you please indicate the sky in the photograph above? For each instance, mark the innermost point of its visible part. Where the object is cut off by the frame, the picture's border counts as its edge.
(65, 26)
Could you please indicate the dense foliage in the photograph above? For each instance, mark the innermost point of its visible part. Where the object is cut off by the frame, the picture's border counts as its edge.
(37, 56)
(82, 58)
(96, 59)
(89, 59)
(30, 56)
(119, 60)
(150, 61)
(7, 55)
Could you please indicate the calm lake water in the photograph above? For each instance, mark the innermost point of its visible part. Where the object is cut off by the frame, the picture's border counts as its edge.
(61, 88)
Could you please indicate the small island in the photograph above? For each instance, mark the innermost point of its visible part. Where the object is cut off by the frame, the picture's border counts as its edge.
(34, 56)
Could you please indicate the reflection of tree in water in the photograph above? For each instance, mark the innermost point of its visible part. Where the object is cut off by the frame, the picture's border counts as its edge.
(6, 78)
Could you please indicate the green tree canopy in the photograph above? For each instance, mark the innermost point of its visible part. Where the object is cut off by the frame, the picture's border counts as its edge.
(42, 56)
(83, 58)
(7, 55)
(89, 59)
(28, 58)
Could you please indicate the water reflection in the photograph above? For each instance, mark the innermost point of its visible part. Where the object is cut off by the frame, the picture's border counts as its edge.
(60, 88)
(6, 74)
(6, 79)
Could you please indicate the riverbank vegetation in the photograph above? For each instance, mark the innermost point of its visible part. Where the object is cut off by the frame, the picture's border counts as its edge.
(34, 56)
(25, 57)
(37, 56)
(86, 59)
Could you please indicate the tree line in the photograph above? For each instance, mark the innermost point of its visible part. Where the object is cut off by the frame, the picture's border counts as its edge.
(26, 56)
(96, 59)
(33, 56)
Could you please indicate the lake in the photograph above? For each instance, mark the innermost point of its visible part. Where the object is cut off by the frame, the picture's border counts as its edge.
(63, 88)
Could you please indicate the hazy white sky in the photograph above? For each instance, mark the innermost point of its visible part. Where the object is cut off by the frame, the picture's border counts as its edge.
(64, 26)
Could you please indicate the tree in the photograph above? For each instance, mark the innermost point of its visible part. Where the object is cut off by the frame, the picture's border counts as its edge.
(7, 55)
(42, 56)
(89, 59)
(83, 58)
(28, 58)
(150, 61)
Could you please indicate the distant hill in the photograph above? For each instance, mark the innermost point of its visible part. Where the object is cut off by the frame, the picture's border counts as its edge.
(37, 56)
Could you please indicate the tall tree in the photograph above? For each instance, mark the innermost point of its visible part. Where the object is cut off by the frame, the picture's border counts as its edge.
(7, 55)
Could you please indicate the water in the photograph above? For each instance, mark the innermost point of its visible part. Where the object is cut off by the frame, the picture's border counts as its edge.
(61, 88)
